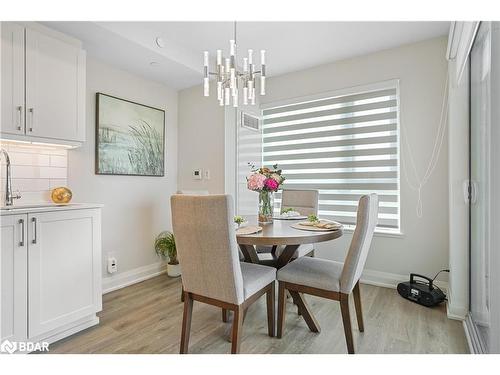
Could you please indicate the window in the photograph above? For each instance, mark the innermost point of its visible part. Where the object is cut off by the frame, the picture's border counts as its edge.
(343, 145)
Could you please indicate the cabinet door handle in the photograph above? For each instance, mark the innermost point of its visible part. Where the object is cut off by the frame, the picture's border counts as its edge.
(32, 112)
(21, 221)
(34, 230)
(20, 118)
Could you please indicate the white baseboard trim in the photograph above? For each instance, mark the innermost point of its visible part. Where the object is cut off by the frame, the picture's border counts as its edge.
(390, 280)
(121, 280)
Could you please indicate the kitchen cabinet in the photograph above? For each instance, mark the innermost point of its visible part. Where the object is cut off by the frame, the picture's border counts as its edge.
(13, 278)
(50, 273)
(43, 99)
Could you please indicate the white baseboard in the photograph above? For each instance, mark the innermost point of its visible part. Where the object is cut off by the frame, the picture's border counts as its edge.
(390, 280)
(121, 280)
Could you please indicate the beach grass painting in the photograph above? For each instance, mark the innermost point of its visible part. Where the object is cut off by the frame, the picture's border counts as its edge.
(130, 138)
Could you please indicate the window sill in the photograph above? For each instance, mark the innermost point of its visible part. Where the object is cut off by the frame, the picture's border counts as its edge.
(378, 232)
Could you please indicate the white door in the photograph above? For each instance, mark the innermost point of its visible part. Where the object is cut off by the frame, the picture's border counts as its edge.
(12, 71)
(64, 281)
(13, 278)
(55, 88)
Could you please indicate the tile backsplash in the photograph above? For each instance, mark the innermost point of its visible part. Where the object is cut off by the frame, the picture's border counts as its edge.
(36, 170)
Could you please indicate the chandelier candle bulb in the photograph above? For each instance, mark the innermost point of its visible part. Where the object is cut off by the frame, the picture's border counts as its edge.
(250, 56)
(219, 91)
(206, 87)
(263, 57)
(262, 85)
(219, 57)
(245, 95)
(232, 46)
(226, 95)
(250, 89)
(205, 59)
(245, 65)
(252, 100)
(235, 98)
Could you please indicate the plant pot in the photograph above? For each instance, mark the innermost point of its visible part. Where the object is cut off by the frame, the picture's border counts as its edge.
(173, 270)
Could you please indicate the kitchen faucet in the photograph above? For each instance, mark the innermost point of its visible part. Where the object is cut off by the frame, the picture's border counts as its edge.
(9, 196)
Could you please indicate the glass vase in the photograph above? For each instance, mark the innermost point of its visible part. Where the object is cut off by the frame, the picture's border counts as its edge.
(266, 207)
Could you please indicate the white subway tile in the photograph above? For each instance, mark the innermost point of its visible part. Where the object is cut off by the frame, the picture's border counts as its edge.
(30, 184)
(58, 161)
(23, 158)
(57, 183)
(53, 172)
(26, 171)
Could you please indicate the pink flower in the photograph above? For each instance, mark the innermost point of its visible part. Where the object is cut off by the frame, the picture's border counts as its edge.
(255, 181)
(271, 184)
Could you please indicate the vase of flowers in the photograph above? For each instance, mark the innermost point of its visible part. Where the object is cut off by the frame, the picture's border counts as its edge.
(265, 181)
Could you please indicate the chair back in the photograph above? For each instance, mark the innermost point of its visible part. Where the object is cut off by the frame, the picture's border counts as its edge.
(303, 201)
(361, 240)
(206, 246)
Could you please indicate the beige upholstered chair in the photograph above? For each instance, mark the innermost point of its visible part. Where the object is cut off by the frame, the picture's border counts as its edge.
(211, 270)
(333, 280)
(305, 202)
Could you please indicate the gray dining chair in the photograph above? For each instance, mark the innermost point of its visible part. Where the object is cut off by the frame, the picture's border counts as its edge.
(333, 280)
(211, 270)
(306, 203)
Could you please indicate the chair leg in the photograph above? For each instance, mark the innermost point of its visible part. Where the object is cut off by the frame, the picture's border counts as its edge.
(281, 309)
(359, 310)
(236, 334)
(182, 293)
(225, 315)
(346, 319)
(270, 309)
(186, 323)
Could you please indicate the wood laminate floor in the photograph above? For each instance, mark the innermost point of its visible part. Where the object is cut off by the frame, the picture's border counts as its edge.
(146, 318)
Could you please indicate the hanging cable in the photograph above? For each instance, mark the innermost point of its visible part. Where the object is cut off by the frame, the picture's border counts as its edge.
(436, 150)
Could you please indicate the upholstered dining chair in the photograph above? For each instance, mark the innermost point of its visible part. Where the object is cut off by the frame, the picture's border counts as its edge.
(211, 270)
(306, 203)
(333, 280)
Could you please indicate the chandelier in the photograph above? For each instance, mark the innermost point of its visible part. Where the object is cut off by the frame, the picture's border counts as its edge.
(230, 80)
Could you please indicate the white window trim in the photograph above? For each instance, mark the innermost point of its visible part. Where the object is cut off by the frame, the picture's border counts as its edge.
(387, 84)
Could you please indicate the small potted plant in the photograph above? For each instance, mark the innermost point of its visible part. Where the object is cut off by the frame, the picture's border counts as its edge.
(238, 220)
(165, 247)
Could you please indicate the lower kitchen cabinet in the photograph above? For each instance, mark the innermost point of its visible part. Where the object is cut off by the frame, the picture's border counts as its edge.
(50, 273)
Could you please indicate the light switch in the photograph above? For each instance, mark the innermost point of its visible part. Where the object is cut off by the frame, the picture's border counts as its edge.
(206, 175)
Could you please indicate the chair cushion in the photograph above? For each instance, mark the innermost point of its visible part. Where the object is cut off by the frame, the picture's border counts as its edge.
(256, 277)
(313, 272)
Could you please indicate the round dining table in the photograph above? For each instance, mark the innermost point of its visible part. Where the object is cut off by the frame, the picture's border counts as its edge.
(281, 233)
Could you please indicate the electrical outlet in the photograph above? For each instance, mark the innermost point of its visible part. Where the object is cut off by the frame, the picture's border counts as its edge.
(112, 265)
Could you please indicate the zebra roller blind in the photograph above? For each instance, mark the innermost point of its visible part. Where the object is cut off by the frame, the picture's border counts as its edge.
(344, 146)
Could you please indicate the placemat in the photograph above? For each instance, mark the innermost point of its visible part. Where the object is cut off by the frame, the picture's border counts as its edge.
(251, 229)
(315, 229)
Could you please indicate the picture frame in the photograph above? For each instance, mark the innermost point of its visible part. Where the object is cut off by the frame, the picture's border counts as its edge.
(129, 138)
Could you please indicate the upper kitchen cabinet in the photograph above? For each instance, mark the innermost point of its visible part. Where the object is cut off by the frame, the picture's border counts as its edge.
(12, 80)
(43, 85)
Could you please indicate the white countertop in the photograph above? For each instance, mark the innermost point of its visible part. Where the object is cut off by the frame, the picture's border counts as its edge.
(45, 207)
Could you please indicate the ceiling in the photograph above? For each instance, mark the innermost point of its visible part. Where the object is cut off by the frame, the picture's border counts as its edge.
(290, 46)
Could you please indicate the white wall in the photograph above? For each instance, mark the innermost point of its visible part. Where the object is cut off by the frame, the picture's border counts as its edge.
(201, 140)
(136, 208)
(421, 69)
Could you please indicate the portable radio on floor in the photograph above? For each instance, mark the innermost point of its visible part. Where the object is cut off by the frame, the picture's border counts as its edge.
(421, 292)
